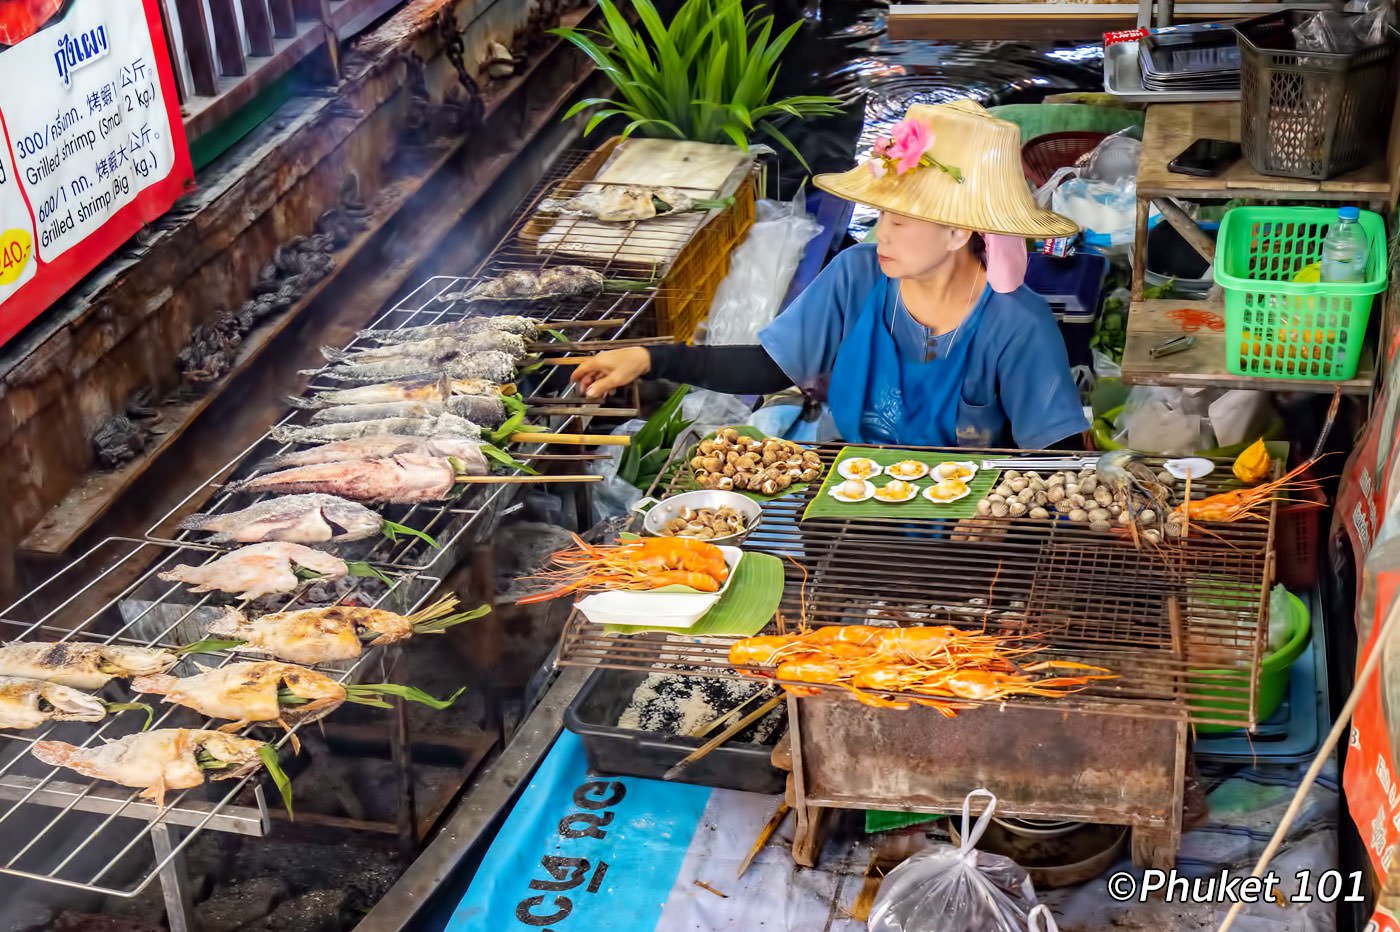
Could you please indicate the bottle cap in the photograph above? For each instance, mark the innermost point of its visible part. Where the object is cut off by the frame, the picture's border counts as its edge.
(1349, 213)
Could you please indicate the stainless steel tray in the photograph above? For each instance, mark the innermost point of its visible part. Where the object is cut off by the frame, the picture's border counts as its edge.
(1122, 77)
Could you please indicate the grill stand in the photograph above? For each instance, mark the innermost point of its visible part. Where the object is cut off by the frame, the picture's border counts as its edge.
(1042, 763)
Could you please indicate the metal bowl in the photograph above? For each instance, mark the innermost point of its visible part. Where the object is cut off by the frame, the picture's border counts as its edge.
(660, 513)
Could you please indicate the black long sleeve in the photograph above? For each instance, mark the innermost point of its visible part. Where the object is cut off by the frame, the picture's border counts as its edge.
(734, 370)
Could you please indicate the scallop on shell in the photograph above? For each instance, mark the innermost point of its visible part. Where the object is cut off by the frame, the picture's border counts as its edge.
(853, 490)
(948, 490)
(896, 491)
(907, 469)
(963, 471)
(858, 467)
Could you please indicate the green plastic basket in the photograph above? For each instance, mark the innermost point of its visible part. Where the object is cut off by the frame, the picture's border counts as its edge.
(1276, 327)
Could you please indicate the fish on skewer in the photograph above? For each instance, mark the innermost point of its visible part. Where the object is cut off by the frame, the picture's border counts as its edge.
(467, 452)
(254, 691)
(406, 390)
(486, 410)
(527, 328)
(81, 664)
(441, 425)
(28, 703)
(442, 347)
(491, 365)
(297, 519)
(403, 479)
(259, 569)
(562, 281)
(167, 759)
(337, 632)
(625, 203)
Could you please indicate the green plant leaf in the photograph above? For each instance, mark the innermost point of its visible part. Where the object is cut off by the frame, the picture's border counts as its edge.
(774, 133)
(439, 625)
(393, 530)
(363, 569)
(209, 646)
(369, 693)
(116, 707)
(268, 753)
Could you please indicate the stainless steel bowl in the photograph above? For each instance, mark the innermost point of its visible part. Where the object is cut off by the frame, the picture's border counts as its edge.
(660, 513)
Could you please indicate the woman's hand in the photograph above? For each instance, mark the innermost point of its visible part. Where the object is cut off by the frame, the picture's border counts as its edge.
(611, 370)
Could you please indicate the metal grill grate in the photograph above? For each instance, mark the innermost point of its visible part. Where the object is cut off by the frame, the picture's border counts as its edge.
(58, 827)
(1183, 627)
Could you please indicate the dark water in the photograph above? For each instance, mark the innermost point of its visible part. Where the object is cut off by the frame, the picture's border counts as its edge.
(843, 50)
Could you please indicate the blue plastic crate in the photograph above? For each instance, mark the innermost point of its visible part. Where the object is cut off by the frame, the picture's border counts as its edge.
(1072, 286)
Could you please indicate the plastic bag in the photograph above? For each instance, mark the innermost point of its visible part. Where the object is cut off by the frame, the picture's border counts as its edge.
(1280, 617)
(760, 272)
(1100, 194)
(1372, 26)
(1041, 920)
(948, 889)
(1160, 420)
(1325, 31)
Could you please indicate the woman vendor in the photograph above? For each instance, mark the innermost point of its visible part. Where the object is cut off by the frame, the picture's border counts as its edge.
(928, 336)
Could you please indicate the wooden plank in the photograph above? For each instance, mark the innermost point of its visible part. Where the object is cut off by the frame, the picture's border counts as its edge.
(1170, 128)
(307, 9)
(284, 20)
(201, 116)
(195, 30)
(258, 23)
(1048, 26)
(1203, 365)
(228, 38)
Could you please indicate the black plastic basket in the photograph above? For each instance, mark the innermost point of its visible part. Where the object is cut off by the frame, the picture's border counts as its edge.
(1311, 115)
(610, 749)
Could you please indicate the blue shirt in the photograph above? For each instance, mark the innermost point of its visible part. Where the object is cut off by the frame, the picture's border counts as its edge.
(1016, 382)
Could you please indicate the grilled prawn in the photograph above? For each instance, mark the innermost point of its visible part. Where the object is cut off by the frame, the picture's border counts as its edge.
(80, 664)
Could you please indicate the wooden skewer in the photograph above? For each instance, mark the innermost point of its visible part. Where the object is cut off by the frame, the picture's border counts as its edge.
(582, 324)
(573, 440)
(704, 749)
(561, 457)
(565, 361)
(523, 480)
(584, 411)
(1186, 511)
(727, 717)
(774, 822)
(600, 344)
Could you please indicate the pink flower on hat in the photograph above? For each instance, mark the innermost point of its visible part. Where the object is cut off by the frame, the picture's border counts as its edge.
(877, 167)
(912, 139)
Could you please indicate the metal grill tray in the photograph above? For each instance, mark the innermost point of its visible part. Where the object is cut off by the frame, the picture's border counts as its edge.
(1122, 77)
(1153, 617)
(98, 835)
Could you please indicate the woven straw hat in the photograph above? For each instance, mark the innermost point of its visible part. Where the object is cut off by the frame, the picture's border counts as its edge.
(992, 196)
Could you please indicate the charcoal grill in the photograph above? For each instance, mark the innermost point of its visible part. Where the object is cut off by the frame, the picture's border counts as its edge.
(1113, 753)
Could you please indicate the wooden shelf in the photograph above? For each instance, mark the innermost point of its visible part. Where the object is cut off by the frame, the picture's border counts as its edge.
(1203, 365)
(1170, 128)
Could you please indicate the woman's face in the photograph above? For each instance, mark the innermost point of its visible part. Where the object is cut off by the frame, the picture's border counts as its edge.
(915, 248)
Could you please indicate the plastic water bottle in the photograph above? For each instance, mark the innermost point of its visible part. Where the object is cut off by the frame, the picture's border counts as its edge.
(1345, 248)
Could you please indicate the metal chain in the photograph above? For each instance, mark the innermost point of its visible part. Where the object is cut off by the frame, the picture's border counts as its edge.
(455, 48)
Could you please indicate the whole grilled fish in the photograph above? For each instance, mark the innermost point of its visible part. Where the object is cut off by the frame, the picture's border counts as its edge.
(434, 348)
(392, 392)
(486, 410)
(440, 425)
(156, 761)
(526, 327)
(400, 480)
(29, 703)
(81, 664)
(248, 692)
(299, 519)
(563, 281)
(494, 366)
(258, 569)
(470, 460)
(622, 203)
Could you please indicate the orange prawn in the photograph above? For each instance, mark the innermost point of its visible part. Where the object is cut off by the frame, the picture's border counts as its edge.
(638, 565)
(1239, 504)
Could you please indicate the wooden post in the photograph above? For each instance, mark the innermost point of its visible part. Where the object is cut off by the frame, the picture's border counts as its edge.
(194, 28)
(228, 38)
(258, 22)
(284, 19)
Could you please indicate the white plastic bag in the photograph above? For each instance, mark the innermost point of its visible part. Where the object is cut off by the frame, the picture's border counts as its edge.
(1160, 420)
(1042, 920)
(948, 889)
(1100, 194)
(760, 272)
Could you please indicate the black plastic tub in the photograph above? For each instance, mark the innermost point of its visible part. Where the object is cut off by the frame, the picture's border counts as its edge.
(593, 717)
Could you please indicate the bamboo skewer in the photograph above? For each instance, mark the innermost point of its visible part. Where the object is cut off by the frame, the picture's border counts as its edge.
(574, 440)
(774, 821)
(565, 361)
(561, 457)
(583, 324)
(545, 345)
(704, 749)
(584, 411)
(729, 716)
(524, 480)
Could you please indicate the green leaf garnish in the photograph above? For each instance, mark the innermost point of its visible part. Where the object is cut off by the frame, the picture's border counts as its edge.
(209, 646)
(115, 707)
(304, 573)
(268, 753)
(369, 693)
(491, 451)
(363, 569)
(439, 625)
(513, 404)
(557, 334)
(392, 530)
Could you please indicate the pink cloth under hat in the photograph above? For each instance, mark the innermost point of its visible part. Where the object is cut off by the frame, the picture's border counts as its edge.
(1006, 262)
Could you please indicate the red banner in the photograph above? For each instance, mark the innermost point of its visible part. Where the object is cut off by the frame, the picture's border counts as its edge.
(94, 146)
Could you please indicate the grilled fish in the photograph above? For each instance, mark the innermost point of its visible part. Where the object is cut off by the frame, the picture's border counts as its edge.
(526, 327)
(337, 632)
(434, 348)
(248, 692)
(29, 703)
(491, 365)
(470, 460)
(563, 281)
(298, 519)
(79, 664)
(394, 392)
(402, 479)
(441, 425)
(487, 410)
(623, 203)
(156, 761)
(258, 570)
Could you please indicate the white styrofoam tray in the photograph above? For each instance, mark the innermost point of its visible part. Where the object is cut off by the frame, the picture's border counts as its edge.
(659, 609)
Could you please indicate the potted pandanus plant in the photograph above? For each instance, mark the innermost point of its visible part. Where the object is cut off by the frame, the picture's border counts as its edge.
(706, 76)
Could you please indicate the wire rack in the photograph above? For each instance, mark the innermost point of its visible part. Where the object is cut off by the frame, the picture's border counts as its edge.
(630, 250)
(1182, 626)
(63, 829)
(473, 513)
